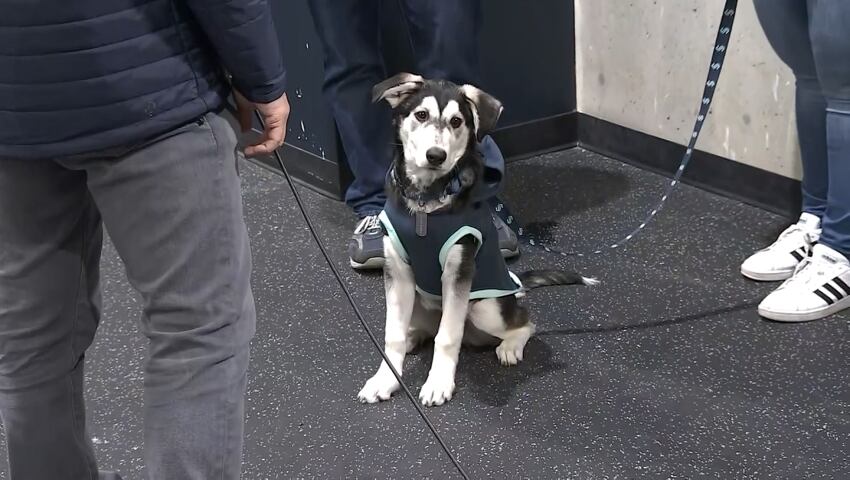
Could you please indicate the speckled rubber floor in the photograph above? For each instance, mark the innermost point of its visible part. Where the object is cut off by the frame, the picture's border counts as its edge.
(663, 371)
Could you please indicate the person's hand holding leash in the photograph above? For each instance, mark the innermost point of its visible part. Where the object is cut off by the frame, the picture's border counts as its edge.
(275, 115)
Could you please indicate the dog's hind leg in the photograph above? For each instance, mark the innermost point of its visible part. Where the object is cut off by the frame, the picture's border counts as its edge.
(458, 272)
(505, 319)
(401, 294)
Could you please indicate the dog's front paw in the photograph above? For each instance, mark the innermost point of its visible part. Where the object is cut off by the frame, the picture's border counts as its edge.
(511, 348)
(378, 388)
(510, 352)
(438, 389)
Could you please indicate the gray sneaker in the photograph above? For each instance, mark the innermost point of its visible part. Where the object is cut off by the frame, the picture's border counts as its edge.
(366, 248)
(508, 241)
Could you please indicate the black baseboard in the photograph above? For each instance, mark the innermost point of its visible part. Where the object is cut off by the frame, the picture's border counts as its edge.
(538, 137)
(751, 185)
(754, 186)
(714, 173)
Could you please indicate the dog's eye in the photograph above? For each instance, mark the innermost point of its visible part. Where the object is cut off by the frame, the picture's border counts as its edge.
(456, 122)
(421, 115)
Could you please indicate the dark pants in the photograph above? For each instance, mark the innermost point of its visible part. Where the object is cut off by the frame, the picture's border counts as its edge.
(173, 209)
(813, 38)
(444, 37)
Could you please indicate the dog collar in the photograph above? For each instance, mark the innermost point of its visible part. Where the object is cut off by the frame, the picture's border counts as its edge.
(453, 187)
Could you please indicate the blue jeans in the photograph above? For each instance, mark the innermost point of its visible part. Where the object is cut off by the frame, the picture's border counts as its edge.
(444, 36)
(812, 37)
(173, 208)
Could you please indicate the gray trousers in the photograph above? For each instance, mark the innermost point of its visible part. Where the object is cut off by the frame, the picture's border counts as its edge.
(173, 209)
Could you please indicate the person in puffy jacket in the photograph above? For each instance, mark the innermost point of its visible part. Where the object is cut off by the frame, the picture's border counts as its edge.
(109, 117)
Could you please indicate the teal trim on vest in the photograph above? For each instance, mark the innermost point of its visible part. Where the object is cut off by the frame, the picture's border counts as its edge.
(399, 247)
(452, 241)
(480, 294)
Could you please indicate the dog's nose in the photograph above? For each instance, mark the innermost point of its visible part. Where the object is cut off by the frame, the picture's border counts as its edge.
(436, 156)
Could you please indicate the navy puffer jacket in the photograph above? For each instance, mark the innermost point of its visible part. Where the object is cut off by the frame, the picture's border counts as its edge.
(78, 76)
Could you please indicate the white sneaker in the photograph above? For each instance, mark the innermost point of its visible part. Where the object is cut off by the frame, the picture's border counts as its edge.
(778, 261)
(820, 287)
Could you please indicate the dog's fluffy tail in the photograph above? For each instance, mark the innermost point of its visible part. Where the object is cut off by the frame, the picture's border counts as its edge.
(550, 278)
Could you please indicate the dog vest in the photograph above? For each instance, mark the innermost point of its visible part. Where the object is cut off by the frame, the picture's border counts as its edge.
(427, 253)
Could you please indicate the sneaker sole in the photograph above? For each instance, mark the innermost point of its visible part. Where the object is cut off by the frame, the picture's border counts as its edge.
(507, 254)
(797, 317)
(767, 277)
(371, 264)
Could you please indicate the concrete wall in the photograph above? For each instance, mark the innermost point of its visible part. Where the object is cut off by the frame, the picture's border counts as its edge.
(642, 64)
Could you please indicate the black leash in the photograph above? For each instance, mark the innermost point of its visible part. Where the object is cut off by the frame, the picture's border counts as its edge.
(359, 314)
(721, 46)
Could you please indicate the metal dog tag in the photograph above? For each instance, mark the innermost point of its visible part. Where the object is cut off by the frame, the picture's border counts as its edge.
(421, 224)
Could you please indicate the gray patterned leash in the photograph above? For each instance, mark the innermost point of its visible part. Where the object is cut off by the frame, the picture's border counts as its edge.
(721, 46)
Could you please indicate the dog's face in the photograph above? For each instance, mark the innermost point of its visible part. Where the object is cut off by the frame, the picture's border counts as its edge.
(437, 121)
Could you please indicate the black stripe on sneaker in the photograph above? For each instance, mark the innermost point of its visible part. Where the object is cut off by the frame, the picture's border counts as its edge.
(841, 283)
(826, 298)
(834, 291)
(797, 255)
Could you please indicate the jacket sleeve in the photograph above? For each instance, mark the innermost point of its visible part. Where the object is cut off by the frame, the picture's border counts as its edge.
(243, 35)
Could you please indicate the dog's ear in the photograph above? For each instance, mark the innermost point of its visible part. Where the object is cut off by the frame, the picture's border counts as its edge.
(395, 89)
(486, 109)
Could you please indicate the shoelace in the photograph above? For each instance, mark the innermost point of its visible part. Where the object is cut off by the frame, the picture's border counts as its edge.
(368, 224)
(803, 274)
(801, 267)
(811, 238)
